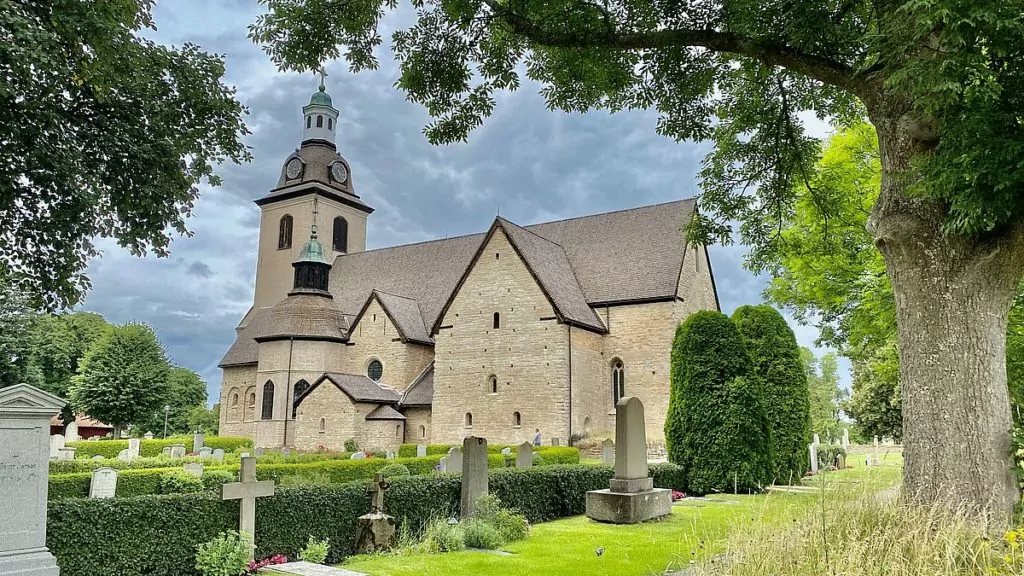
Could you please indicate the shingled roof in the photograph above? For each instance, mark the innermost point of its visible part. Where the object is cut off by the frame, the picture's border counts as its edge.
(404, 312)
(359, 388)
(618, 257)
(421, 392)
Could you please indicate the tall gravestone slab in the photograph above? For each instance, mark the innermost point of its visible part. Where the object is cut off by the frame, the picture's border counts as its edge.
(608, 451)
(71, 432)
(474, 473)
(25, 414)
(134, 448)
(56, 443)
(524, 455)
(455, 459)
(103, 484)
(814, 457)
(197, 441)
(218, 455)
(421, 450)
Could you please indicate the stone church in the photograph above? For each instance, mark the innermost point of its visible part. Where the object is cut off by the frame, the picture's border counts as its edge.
(494, 334)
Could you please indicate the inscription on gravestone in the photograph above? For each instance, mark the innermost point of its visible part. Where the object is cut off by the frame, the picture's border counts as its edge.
(104, 483)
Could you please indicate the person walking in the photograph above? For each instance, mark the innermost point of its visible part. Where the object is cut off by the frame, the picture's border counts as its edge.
(536, 437)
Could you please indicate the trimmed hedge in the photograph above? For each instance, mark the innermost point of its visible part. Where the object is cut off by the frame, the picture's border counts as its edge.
(157, 535)
(551, 454)
(150, 448)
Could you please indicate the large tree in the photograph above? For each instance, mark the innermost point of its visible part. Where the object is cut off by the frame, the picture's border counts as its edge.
(124, 377)
(58, 343)
(103, 133)
(16, 318)
(942, 82)
(185, 391)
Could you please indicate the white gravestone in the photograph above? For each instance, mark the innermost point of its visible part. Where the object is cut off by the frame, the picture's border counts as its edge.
(608, 451)
(454, 459)
(218, 455)
(71, 432)
(166, 451)
(134, 447)
(98, 457)
(814, 458)
(197, 441)
(25, 414)
(524, 455)
(56, 443)
(194, 469)
(205, 452)
(442, 466)
(124, 455)
(178, 451)
(358, 456)
(421, 450)
(248, 490)
(390, 455)
(66, 453)
(104, 483)
(506, 451)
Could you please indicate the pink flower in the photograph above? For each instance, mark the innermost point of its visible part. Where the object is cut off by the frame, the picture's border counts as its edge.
(677, 495)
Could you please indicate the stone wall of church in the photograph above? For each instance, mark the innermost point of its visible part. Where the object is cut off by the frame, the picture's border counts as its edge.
(527, 355)
(238, 402)
(592, 409)
(695, 285)
(381, 434)
(417, 425)
(325, 419)
(375, 337)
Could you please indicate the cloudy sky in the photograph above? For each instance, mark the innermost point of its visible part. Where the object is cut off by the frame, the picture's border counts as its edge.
(531, 164)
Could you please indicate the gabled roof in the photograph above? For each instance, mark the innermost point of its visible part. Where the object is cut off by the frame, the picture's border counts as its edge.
(358, 388)
(404, 312)
(385, 412)
(421, 392)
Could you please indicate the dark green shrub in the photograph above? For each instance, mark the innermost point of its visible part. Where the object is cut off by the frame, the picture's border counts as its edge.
(351, 445)
(668, 475)
(828, 455)
(309, 478)
(775, 358)
(480, 534)
(179, 482)
(441, 536)
(153, 448)
(212, 479)
(509, 525)
(392, 470)
(551, 454)
(716, 427)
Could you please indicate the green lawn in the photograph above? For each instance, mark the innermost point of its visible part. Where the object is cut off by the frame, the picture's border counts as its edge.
(695, 529)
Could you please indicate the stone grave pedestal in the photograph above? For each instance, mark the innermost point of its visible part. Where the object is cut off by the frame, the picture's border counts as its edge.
(25, 414)
(631, 496)
(375, 531)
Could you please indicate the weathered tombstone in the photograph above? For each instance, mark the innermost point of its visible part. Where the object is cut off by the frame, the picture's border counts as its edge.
(630, 496)
(390, 455)
(814, 458)
(358, 455)
(124, 455)
(524, 455)
(286, 451)
(556, 442)
(197, 441)
(25, 414)
(193, 468)
(148, 435)
(244, 455)
(247, 490)
(817, 441)
(455, 459)
(840, 462)
(442, 465)
(259, 452)
(166, 451)
(56, 443)
(218, 454)
(178, 451)
(71, 432)
(506, 451)
(97, 457)
(846, 438)
(134, 447)
(474, 473)
(205, 452)
(375, 531)
(66, 453)
(608, 451)
(421, 450)
(103, 484)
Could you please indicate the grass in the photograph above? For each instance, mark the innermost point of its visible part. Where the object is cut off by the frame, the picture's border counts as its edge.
(696, 530)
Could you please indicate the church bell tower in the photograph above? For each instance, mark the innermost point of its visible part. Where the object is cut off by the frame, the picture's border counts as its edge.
(314, 174)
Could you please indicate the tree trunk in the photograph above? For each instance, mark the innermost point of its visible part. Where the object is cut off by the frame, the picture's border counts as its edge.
(117, 432)
(952, 296)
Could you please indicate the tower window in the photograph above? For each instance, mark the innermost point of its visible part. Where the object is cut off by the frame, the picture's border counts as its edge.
(340, 234)
(284, 232)
(375, 370)
(268, 401)
(517, 419)
(469, 419)
(618, 381)
(319, 121)
(234, 399)
(330, 124)
(497, 321)
(309, 121)
(492, 384)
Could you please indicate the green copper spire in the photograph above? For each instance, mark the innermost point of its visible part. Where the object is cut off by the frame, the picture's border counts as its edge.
(321, 96)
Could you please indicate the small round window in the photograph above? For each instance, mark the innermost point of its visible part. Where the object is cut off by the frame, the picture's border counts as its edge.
(375, 370)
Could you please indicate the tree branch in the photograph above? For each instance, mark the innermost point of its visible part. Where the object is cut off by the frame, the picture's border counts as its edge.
(769, 52)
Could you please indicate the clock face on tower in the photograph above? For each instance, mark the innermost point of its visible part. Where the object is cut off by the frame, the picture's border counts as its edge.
(338, 172)
(293, 169)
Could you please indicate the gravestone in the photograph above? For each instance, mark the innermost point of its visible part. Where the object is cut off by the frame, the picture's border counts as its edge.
(148, 435)
(814, 458)
(840, 462)
(474, 473)
(193, 468)
(630, 496)
(506, 451)
(817, 440)
(103, 484)
(247, 491)
(375, 531)
(846, 438)
(205, 452)
(524, 455)
(134, 447)
(25, 414)
(286, 451)
(197, 441)
(56, 443)
(421, 450)
(358, 456)
(166, 451)
(556, 442)
(442, 465)
(244, 455)
(218, 454)
(309, 569)
(71, 432)
(608, 451)
(455, 459)
(98, 457)
(124, 455)
(178, 451)
(390, 455)
(66, 453)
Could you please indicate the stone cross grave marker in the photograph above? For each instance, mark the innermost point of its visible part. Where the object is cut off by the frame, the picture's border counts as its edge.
(524, 455)
(197, 441)
(218, 454)
(103, 484)
(377, 489)
(193, 468)
(474, 473)
(455, 459)
(205, 452)
(608, 451)
(66, 453)
(134, 447)
(375, 531)
(390, 455)
(56, 443)
(25, 414)
(358, 456)
(247, 490)
(178, 451)
(814, 458)
(421, 450)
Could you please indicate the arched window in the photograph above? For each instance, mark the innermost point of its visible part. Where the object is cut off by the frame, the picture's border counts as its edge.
(323, 425)
(586, 424)
(330, 124)
(517, 419)
(268, 401)
(340, 234)
(398, 431)
(300, 388)
(497, 320)
(252, 399)
(492, 384)
(234, 399)
(423, 431)
(469, 419)
(284, 233)
(319, 121)
(375, 370)
(618, 381)
(309, 121)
